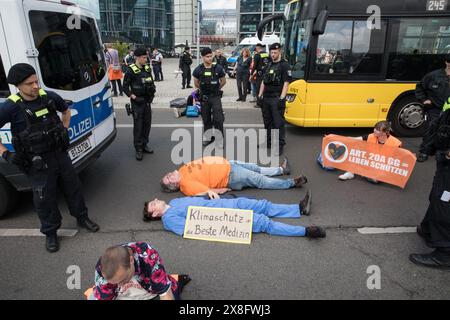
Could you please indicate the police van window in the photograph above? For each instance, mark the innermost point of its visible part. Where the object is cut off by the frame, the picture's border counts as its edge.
(4, 89)
(350, 48)
(70, 54)
(417, 47)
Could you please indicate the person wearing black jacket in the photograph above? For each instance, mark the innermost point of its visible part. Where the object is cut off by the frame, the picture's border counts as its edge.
(185, 66)
(242, 70)
(432, 91)
(139, 86)
(435, 227)
(220, 60)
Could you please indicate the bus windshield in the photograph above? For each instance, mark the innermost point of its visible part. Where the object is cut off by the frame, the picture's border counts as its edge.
(295, 35)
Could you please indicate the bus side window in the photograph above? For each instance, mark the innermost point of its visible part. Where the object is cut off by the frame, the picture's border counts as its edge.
(4, 88)
(418, 46)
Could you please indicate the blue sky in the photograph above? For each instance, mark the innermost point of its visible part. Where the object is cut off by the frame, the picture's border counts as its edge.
(219, 4)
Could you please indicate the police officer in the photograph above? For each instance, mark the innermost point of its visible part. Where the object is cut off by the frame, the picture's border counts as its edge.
(40, 140)
(260, 61)
(210, 79)
(435, 227)
(432, 91)
(220, 60)
(138, 84)
(185, 66)
(272, 95)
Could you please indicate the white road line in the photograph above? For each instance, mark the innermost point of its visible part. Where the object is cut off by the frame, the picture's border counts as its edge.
(35, 233)
(387, 230)
(194, 126)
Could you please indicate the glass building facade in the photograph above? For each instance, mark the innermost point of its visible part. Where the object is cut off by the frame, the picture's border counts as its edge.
(147, 22)
(251, 12)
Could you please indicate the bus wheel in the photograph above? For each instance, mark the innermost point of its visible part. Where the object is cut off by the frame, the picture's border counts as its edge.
(8, 197)
(407, 117)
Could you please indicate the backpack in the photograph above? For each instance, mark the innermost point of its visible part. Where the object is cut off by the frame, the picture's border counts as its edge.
(192, 111)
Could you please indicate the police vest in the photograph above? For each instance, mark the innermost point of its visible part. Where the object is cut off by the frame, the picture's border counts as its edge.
(44, 130)
(442, 133)
(446, 105)
(142, 84)
(391, 141)
(272, 75)
(263, 62)
(209, 80)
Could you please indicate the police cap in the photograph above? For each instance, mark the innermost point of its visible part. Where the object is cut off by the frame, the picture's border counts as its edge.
(187, 48)
(275, 46)
(19, 72)
(140, 52)
(260, 45)
(205, 51)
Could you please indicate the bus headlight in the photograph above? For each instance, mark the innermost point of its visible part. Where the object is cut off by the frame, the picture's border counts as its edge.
(290, 97)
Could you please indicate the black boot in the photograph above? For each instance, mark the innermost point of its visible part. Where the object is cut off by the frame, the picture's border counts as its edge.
(139, 155)
(305, 204)
(89, 225)
(52, 243)
(439, 259)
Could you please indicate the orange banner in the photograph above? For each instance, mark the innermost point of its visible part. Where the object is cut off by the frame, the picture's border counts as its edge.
(383, 163)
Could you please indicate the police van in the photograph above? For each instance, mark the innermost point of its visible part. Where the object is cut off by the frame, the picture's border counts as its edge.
(62, 42)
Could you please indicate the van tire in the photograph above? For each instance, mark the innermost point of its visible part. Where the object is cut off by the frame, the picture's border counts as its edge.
(8, 197)
(407, 117)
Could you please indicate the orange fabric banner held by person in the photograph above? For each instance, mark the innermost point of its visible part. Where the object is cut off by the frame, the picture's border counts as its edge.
(383, 163)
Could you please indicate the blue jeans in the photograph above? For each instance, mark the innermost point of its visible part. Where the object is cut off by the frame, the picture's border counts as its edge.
(254, 88)
(244, 175)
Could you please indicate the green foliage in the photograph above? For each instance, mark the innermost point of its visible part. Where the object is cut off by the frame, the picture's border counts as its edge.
(122, 48)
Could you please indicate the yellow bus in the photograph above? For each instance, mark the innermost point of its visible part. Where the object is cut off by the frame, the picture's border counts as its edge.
(355, 63)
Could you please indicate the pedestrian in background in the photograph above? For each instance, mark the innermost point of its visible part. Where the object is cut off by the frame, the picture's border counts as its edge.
(242, 70)
(115, 73)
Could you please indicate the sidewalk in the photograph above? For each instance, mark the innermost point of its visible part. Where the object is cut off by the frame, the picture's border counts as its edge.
(170, 89)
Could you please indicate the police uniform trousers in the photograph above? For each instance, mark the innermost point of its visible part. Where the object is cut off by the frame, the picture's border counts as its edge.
(273, 118)
(58, 173)
(186, 81)
(432, 115)
(156, 71)
(436, 224)
(142, 123)
(212, 114)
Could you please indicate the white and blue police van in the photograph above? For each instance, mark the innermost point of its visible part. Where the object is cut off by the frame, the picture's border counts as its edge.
(62, 42)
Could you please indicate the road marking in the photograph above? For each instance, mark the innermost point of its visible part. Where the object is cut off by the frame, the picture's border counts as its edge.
(194, 125)
(35, 233)
(387, 230)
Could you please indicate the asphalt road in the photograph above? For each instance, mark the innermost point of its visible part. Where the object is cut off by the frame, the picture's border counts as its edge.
(271, 267)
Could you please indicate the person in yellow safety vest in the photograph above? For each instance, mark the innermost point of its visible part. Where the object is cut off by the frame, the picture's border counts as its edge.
(382, 135)
(138, 84)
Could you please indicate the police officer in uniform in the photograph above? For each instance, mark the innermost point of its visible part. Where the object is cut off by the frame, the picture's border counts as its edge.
(432, 91)
(272, 95)
(435, 227)
(260, 61)
(185, 66)
(210, 79)
(138, 84)
(40, 141)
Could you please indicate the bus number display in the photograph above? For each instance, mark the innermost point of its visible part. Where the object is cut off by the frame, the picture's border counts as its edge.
(437, 5)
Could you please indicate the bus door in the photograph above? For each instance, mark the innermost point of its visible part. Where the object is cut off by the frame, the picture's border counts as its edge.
(347, 69)
(71, 63)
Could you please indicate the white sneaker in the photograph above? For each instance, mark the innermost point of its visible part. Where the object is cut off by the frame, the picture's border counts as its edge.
(176, 113)
(253, 99)
(346, 176)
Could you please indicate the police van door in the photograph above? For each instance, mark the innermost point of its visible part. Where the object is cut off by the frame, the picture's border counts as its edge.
(5, 134)
(70, 63)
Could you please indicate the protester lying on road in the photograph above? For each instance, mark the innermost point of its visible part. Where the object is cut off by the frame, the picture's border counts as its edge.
(173, 215)
(216, 175)
(135, 271)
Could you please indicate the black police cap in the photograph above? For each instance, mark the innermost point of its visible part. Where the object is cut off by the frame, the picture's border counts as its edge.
(205, 51)
(19, 72)
(275, 46)
(140, 52)
(187, 48)
(260, 45)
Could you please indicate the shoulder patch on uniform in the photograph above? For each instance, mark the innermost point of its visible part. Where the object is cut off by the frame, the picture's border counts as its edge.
(289, 73)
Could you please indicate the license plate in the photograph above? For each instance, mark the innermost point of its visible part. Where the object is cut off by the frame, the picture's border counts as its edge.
(80, 149)
(437, 5)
